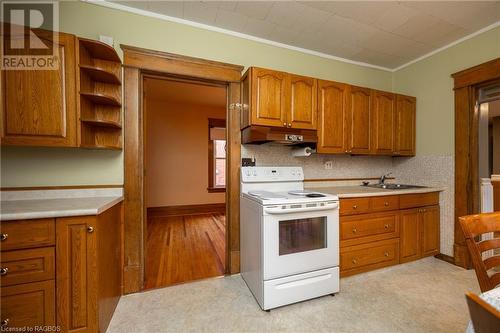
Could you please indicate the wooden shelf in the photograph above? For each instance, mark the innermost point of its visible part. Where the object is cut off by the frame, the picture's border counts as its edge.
(101, 98)
(100, 147)
(102, 123)
(100, 74)
(100, 50)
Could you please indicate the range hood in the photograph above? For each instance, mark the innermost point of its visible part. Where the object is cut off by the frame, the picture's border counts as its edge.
(276, 135)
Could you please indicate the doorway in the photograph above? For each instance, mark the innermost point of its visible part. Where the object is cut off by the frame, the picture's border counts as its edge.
(185, 178)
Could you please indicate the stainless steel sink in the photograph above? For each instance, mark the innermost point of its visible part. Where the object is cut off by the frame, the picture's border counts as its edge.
(395, 186)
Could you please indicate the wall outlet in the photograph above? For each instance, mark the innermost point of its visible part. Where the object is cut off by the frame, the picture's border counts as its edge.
(328, 165)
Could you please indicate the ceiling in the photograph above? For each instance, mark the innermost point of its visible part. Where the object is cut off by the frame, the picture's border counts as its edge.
(382, 33)
(177, 92)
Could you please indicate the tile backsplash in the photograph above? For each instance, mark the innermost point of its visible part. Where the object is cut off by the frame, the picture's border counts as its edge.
(432, 170)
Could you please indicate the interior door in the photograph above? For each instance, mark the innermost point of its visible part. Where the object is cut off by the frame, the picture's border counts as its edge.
(268, 97)
(359, 115)
(303, 102)
(332, 116)
(410, 235)
(299, 242)
(405, 125)
(38, 106)
(383, 122)
(430, 230)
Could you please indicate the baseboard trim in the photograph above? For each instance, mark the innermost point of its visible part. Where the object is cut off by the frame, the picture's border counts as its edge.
(186, 210)
(445, 257)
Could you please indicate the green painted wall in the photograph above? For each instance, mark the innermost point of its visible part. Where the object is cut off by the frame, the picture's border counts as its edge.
(430, 81)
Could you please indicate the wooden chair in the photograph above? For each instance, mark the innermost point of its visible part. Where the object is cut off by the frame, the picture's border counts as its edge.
(472, 227)
(485, 318)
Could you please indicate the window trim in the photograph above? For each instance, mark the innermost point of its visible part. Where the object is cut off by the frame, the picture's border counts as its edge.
(212, 122)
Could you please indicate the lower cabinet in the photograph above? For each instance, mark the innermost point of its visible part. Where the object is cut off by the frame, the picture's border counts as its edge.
(371, 238)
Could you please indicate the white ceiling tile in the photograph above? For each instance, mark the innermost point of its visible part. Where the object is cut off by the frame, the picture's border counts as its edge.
(284, 14)
(170, 8)
(394, 17)
(259, 28)
(226, 5)
(200, 12)
(254, 9)
(362, 11)
(230, 20)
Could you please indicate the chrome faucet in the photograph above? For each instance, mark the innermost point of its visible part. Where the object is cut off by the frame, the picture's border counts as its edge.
(383, 178)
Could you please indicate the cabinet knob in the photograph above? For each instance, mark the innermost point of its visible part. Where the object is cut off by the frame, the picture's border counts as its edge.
(90, 229)
(4, 271)
(354, 230)
(284, 124)
(354, 261)
(4, 322)
(386, 254)
(386, 204)
(4, 236)
(354, 206)
(289, 125)
(386, 226)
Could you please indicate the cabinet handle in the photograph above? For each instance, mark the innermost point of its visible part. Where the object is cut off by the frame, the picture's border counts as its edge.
(90, 229)
(386, 204)
(4, 237)
(354, 261)
(354, 230)
(284, 124)
(386, 226)
(289, 125)
(4, 323)
(4, 271)
(386, 254)
(354, 206)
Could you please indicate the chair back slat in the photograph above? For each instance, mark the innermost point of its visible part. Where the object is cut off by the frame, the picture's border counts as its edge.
(489, 244)
(473, 226)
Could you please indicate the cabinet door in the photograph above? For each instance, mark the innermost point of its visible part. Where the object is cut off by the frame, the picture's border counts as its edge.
(332, 99)
(303, 102)
(405, 125)
(383, 122)
(76, 267)
(39, 106)
(268, 97)
(410, 235)
(430, 230)
(359, 115)
(28, 305)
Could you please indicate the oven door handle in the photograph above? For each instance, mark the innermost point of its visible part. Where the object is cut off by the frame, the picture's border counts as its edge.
(300, 210)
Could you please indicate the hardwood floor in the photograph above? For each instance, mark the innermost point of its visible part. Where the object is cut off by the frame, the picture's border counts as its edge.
(184, 248)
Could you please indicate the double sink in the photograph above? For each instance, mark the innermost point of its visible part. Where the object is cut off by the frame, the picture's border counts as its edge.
(395, 186)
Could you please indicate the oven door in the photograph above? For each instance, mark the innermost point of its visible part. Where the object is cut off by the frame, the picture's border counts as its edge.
(300, 240)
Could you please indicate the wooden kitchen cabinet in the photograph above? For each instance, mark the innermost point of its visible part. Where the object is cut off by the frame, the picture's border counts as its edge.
(383, 122)
(404, 129)
(419, 233)
(359, 105)
(39, 106)
(332, 117)
(278, 99)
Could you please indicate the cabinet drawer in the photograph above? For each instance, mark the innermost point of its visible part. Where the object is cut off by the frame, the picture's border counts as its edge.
(365, 257)
(390, 202)
(22, 266)
(368, 228)
(354, 206)
(22, 234)
(418, 200)
(29, 304)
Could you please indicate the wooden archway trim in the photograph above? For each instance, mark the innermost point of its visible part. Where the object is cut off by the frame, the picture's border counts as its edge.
(138, 63)
(466, 86)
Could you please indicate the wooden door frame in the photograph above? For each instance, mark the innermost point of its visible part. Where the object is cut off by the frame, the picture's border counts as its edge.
(137, 63)
(466, 86)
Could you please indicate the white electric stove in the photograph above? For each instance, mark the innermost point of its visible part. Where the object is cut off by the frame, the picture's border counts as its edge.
(289, 237)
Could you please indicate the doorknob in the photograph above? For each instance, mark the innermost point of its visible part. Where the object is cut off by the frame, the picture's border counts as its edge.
(90, 229)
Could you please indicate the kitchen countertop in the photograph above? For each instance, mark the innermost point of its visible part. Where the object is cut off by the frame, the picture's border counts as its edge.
(363, 191)
(18, 205)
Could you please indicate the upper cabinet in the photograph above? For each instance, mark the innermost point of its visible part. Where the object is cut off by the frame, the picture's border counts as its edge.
(278, 99)
(332, 117)
(76, 105)
(38, 106)
(383, 122)
(358, 120)
(404, 128)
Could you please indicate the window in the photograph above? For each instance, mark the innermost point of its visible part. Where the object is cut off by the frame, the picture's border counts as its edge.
(216, 155)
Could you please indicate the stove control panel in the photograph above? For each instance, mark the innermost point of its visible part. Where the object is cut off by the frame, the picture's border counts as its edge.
(271, 174)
